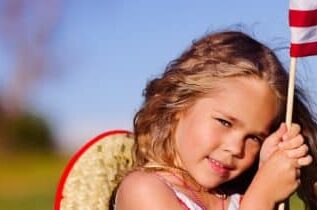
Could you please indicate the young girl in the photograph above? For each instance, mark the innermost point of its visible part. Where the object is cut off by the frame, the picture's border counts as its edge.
(210, 129)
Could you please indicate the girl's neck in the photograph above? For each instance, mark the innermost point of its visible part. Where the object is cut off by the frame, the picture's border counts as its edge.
(205, 199)
(178, 173)
(183, 177)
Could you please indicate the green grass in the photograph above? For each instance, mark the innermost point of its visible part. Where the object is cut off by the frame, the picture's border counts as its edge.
(31, 201)
(29, 181)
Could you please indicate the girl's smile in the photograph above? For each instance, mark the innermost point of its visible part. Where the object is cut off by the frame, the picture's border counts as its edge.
(220, 167)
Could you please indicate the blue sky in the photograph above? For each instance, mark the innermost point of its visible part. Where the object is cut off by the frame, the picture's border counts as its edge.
(106, 50)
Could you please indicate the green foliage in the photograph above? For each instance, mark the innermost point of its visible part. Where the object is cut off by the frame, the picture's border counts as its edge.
(25, 132)
(296, 203)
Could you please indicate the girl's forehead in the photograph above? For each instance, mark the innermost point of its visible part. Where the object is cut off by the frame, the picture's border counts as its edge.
(246, 83)
(242, 98)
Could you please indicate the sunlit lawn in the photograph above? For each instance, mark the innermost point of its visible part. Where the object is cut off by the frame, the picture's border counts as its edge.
(29, 182)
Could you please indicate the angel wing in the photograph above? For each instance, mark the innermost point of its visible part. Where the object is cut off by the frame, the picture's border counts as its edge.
(93, 173)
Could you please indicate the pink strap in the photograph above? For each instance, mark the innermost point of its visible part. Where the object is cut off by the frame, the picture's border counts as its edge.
(170, 186)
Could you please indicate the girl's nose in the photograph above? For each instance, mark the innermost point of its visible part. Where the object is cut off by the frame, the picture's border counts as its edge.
(235, 145)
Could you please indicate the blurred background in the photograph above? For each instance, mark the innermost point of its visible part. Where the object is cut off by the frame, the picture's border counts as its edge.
(72, 69)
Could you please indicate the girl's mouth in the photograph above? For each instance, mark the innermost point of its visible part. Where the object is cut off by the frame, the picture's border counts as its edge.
(219, 167)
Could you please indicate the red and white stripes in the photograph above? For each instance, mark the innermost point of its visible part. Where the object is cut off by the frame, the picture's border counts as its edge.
(303, 26)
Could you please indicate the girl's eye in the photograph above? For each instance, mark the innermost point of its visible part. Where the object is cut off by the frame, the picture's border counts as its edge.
(256, 138)
(224, 122)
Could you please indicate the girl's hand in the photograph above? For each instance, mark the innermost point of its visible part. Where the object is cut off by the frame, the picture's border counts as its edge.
(282, 155)
(291, 141)
(277, 179)
(294, 145)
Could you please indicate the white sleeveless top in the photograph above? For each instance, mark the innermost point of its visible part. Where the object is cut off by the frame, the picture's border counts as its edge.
(234, 199)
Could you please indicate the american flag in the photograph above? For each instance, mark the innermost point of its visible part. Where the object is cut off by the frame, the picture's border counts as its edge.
(303, 25)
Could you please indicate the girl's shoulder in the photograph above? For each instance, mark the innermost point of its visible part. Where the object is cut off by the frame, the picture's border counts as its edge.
(144, 190)
(140, 181)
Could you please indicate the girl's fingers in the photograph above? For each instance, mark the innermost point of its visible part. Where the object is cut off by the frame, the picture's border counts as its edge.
(298, 152)
(276, 137)
(292, 132)
(292, 144)
(305, 161)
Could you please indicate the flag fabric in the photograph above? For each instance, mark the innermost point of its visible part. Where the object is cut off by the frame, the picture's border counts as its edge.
(303, 26)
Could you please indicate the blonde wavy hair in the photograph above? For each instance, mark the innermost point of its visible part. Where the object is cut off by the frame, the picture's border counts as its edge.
(195, 73)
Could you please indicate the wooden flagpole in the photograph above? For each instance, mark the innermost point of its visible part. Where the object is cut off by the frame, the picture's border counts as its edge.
(290, 100)
(290, 94)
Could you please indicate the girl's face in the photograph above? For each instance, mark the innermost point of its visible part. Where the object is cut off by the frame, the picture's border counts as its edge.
(220, 136)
